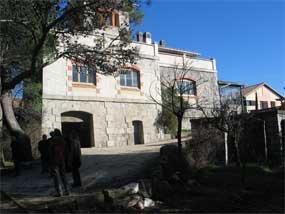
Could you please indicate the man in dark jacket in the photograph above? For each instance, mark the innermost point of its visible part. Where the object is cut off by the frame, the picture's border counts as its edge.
(75, 158)
(16, 154)
(51, 136)
(43, 148)
(57, 162)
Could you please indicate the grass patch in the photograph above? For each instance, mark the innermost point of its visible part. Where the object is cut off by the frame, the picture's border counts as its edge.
(185, 132)
(8, 164)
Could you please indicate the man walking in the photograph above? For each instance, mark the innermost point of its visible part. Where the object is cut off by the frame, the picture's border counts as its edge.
(57, 163)
(75, 158)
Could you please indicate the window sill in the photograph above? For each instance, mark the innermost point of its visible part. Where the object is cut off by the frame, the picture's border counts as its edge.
(110, 27)
(189, 96)
(83, 85)
(125, 88)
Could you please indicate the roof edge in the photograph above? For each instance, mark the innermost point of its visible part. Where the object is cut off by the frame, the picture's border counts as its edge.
(262, 84)
(178, 51)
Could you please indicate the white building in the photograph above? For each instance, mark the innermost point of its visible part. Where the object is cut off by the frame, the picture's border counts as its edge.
(114, 111)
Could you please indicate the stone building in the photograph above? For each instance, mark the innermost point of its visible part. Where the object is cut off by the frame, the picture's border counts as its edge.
(117, 110)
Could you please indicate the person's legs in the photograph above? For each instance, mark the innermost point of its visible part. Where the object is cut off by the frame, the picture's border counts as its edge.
(76, 177)
(43, 165)
(17, 167)
(55, 176)
(63, 178)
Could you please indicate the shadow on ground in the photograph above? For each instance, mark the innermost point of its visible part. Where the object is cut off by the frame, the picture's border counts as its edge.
(221, 191)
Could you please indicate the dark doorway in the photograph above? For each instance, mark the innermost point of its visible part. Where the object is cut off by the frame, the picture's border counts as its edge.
(138, 132)
(81, 122)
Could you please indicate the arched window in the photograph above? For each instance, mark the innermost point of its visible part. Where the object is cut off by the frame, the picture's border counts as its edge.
(186, 87)
(130, 78)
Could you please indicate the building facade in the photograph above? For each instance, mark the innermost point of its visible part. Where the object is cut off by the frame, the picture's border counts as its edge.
(260, 96)
(231, 95)
(118, 110)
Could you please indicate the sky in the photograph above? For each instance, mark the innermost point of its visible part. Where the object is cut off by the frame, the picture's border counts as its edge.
(247, 38)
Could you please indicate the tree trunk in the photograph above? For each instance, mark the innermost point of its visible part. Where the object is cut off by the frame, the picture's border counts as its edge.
(243, 173)
(15, 128)
(1, 110)
(9, 113)
(1, 120)
(236, 142)
(265, 141)
(256, 101)
(1, 126)
(241, 157)
(226, 149)
(179, 129)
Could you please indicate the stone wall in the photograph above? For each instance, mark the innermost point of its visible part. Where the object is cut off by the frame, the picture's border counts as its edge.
(260, 147)
(112, 119)
(207, 143)
(275, 146)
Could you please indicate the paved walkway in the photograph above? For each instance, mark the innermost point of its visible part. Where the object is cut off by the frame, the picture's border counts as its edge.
(100, 166)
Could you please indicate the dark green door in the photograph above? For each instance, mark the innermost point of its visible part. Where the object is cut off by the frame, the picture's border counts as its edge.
(138, 132)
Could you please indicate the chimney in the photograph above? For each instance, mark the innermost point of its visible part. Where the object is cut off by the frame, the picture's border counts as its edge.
(140, 37)
(162, 43)
(147, 37)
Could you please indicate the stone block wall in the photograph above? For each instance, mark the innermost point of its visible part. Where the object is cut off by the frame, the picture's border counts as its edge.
(112, 119)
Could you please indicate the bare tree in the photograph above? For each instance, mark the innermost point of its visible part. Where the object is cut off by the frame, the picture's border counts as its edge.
(229, 118)
(177, 91)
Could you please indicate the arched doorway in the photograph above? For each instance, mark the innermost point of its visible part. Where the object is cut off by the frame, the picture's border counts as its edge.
(138, 132)
(80, 121)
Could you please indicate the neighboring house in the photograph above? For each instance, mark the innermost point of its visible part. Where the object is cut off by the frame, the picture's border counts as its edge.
(114, 111)
(260, 96)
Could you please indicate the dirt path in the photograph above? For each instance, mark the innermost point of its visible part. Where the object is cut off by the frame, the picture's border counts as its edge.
(100, 166)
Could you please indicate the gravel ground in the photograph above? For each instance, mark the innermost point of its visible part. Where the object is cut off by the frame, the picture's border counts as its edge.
(100, 166)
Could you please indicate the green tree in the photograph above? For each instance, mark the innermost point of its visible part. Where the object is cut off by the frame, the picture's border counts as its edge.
(33, 96)
(167, 121)
(35, 33)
